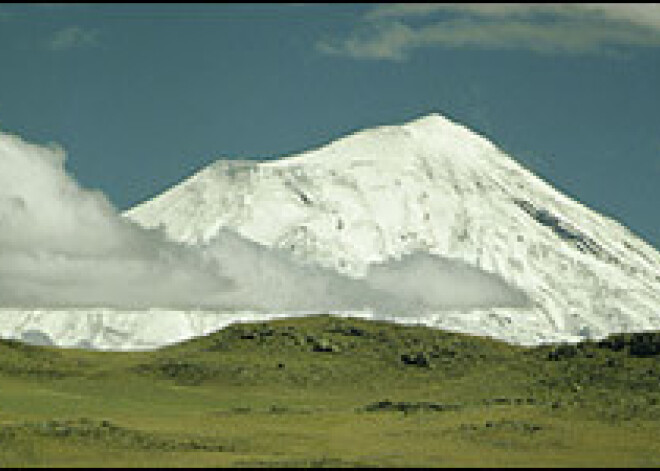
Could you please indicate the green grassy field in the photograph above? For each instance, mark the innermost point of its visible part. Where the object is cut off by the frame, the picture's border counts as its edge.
(324, 391)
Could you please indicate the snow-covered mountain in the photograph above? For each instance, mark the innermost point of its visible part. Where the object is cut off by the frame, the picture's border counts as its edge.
(430, 185)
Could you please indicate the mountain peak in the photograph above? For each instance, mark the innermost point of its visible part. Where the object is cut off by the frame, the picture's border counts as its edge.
(435, 186)
(430, 119)
(443, 130)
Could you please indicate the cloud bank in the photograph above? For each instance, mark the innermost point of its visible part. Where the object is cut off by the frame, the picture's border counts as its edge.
(62, 245)
(392, 31)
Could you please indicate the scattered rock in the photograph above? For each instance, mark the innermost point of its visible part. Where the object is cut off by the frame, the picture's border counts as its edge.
(348, 331)
(562, 352)
(512, 425)
(324, 345)
(420, 359)
(111, 434)
(645, 344)
(407, 407)
(518, 401)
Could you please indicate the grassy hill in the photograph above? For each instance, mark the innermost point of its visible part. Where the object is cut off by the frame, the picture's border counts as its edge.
(325, 391)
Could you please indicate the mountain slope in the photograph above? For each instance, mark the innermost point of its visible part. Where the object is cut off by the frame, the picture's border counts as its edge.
(431, 185)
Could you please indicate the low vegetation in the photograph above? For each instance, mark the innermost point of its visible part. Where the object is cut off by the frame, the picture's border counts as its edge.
(324, 391)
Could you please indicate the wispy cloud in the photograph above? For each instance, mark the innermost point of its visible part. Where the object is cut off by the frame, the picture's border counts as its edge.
(72, 37)
(392, 31)
(641, 14)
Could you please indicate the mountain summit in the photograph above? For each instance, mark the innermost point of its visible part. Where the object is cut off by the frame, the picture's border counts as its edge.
(431, 185)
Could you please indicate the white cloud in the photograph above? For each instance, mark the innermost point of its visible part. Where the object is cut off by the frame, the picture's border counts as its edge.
(72, 37)
(402, 10)
(388, 41)
(641, 14)
(637, 14)
(62, 244)
(391, 31)
(65, 246)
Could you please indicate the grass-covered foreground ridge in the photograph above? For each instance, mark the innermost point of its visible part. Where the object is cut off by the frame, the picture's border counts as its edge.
(327, 391)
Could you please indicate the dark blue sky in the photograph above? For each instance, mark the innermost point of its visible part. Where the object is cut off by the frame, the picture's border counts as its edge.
(141, 96)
